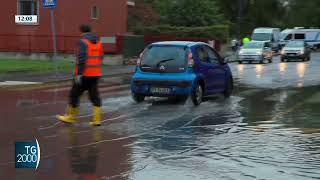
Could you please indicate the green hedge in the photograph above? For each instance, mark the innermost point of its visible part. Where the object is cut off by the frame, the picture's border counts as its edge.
(220, 32)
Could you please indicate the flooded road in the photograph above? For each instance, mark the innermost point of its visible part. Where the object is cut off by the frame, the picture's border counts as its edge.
(268, 129)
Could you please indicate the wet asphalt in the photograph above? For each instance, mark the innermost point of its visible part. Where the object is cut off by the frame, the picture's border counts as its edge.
(268, 129)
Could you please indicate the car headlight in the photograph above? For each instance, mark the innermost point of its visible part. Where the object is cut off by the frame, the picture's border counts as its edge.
(282, 52)
(302, 52)
(240, 52)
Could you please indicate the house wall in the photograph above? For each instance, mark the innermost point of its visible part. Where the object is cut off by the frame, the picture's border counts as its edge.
(112, 21)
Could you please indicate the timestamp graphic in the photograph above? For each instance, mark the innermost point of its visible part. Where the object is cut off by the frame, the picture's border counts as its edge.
(26, 19)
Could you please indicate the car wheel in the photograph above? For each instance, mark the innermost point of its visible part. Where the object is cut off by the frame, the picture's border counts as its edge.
(197, 95)
(282, 60)
(240, 62)
(227, 93)
(138, 98)
(270, 60)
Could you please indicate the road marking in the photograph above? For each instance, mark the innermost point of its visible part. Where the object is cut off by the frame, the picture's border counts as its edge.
(110, 88)
(58, 89)
(15, 83)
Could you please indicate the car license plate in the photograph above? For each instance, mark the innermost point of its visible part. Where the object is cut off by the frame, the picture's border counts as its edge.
(247, 57)
(157, 90)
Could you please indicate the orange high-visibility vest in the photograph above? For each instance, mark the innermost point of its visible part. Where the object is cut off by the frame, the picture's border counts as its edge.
(93, 65)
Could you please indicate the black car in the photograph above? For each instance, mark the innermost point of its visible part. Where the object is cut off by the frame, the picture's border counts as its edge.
(295, 50)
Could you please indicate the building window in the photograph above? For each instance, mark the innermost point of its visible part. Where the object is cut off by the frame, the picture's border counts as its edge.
(94, 12)
(28, 7)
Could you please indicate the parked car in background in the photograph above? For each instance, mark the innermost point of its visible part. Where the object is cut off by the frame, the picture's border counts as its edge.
(271, 35)
(181, 69)
(255, 51)
(296, 50)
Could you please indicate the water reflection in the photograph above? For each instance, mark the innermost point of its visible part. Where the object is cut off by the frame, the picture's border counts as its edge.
(300, 84)
(301, 69)
(241, 69)
(268, 144)
(96, 153)
(259, 70)
(282, 68)
(83, 161)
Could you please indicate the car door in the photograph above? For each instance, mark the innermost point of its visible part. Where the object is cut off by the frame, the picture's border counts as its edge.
(288, 38)
(204, 67)
(216, 71)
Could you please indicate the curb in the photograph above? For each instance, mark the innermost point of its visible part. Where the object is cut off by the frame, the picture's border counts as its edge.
(70, 79)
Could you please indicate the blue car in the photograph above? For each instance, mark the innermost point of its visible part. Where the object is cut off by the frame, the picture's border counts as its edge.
(181, 69)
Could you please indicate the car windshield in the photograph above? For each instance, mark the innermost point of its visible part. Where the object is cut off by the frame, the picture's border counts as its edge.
(295, 44)
(261, 36)
(253, 45)
(173, 58)
(283, 36)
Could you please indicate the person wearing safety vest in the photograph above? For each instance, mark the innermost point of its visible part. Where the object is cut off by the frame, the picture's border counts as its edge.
(87, 73)
(245, 40)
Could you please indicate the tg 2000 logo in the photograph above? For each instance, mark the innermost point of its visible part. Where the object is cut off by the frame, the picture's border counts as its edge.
(27, 154)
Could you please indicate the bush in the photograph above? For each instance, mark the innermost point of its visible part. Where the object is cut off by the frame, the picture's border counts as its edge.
(220, 32)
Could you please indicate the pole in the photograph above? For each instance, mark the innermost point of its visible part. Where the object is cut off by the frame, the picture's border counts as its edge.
(54, 39)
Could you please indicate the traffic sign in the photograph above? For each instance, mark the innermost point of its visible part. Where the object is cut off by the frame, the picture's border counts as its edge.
(50, 4)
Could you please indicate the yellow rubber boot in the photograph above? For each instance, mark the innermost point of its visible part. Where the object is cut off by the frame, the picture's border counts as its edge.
(97, 116)
(71, 115)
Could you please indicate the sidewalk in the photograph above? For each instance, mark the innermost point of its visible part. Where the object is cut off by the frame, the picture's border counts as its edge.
(61, 76)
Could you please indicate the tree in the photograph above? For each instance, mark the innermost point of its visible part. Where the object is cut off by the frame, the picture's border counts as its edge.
(142, 15)
(303, 13)
(249, 14)
(189, 13)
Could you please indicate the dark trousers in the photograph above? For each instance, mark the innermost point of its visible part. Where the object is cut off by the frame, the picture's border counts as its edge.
(89, 84)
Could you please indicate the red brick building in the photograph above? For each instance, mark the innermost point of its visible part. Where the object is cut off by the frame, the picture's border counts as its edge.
(107, 17)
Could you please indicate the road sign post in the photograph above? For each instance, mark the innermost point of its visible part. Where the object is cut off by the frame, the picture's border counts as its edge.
(54, 37)
(52, 4)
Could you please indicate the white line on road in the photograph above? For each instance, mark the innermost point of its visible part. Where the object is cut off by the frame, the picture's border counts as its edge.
(15, 83)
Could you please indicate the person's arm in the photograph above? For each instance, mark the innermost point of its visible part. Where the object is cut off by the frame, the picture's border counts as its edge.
(82, 57)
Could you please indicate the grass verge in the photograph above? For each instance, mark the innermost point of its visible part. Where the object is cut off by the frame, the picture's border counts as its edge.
(36, 66)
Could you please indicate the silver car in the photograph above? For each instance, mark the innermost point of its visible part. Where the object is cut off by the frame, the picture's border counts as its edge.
(255, 51)
(295, 50)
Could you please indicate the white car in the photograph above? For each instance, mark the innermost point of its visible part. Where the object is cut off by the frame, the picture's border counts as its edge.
(255, 51)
